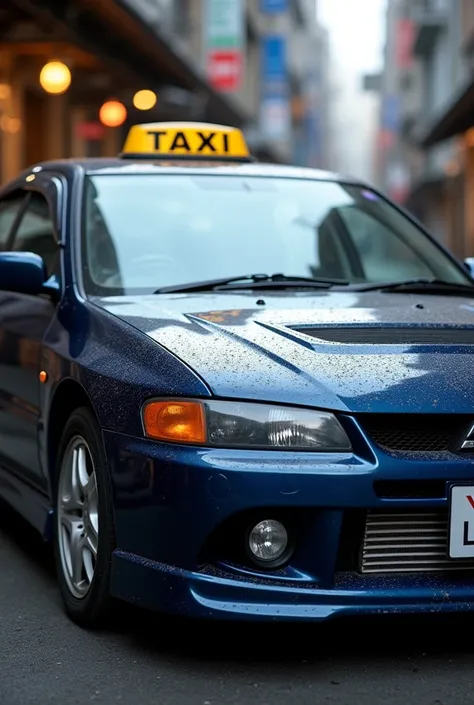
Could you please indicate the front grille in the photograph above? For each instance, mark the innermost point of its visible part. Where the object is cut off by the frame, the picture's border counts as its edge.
(420, 433)
(407, 542)
(410, 489)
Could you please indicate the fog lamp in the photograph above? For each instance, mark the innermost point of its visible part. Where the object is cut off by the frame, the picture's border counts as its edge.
(268, 541)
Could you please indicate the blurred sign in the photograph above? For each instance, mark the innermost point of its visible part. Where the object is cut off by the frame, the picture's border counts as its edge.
(390, 113)
(275, 118)
(273, 7)
(405, 38)
(90, 130)
(224, 69)
(274, 60)
(275, 102)
(385, 140)
(398, 181)
(224, 43)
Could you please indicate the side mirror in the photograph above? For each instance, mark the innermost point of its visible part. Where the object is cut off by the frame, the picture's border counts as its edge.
(23, 272)
(469, 264)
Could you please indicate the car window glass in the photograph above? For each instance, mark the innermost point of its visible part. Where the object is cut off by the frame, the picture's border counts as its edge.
(380, 249)
(35, 232)
(8, 214)
(142, 232)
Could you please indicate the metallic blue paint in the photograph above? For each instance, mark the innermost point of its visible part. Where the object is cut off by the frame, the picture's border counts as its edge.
(22, 272)
(172, 503)
(183, 592)
(252, 352)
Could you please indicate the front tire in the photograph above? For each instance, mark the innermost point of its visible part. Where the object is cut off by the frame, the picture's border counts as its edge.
(84, 525)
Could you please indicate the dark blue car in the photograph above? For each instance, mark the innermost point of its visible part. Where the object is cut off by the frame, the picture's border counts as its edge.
(234, 390)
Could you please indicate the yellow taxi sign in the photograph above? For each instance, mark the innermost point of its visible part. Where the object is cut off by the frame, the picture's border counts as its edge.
(189, 140)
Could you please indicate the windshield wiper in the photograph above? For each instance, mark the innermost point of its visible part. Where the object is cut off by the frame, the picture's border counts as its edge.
(252, 281)
(420, 286)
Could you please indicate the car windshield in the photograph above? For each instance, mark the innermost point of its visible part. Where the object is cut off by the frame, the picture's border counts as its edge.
(148, 231)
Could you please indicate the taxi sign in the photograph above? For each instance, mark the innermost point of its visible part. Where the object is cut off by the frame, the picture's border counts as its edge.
(188, 140)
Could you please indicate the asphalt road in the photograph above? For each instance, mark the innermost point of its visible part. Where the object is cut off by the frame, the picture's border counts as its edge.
(146, 660)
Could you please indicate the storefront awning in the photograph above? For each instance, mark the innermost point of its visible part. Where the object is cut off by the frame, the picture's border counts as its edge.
(112, 30)
(458, 118)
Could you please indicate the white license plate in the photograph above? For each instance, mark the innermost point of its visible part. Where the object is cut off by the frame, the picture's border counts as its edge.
(461, 522)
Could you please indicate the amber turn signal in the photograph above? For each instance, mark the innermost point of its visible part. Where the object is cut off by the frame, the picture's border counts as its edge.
(174, 420)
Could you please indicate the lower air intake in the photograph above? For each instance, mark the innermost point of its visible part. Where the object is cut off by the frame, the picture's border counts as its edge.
(408, 542)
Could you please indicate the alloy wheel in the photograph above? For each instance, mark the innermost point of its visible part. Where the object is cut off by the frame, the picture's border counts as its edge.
(78, 517)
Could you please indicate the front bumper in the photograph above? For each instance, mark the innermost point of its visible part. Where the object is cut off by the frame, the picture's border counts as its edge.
(171, 502)
(169, 589)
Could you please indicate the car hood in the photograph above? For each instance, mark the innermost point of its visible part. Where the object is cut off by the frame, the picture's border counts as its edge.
(346, 351)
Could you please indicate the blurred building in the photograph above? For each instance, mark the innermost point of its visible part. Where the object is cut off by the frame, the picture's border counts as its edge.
(111, 49)
(269, 58)
(425, 142)
(256, 64)
(354, 123)
(294, 101)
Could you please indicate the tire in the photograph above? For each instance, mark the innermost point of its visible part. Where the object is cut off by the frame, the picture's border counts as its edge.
(83, 513)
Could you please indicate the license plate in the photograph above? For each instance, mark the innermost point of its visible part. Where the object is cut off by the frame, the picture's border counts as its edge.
(461, 522)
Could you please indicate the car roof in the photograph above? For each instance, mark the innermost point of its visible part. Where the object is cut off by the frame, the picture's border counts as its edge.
(118, 166)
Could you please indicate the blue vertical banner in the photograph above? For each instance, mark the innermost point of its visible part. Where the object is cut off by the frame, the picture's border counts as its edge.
(274, 60)
(274, 88)
(273, 7)
(391, 113)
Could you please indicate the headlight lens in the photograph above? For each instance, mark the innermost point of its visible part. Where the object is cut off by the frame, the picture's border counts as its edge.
(231, 424)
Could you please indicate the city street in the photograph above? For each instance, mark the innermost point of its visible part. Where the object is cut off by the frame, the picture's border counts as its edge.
(45, 659)
(236, 339)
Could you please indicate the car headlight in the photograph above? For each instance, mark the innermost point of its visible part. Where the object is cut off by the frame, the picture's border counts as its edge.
(234, 424)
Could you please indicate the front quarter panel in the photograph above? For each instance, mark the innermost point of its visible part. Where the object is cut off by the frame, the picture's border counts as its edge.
(117, 365)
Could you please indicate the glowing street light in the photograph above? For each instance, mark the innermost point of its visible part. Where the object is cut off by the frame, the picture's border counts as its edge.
(55, 77)
(112, 113)
(144, 100)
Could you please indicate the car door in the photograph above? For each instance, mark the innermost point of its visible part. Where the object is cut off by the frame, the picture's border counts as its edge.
(24, 320)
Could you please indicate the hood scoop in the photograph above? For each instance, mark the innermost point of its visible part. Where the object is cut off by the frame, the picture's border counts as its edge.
(391, 335)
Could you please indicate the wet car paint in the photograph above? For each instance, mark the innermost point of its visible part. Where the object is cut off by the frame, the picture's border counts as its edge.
(263, 353)
(169, 499)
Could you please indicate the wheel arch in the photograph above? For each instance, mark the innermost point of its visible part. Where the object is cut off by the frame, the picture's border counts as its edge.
(68, 396)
